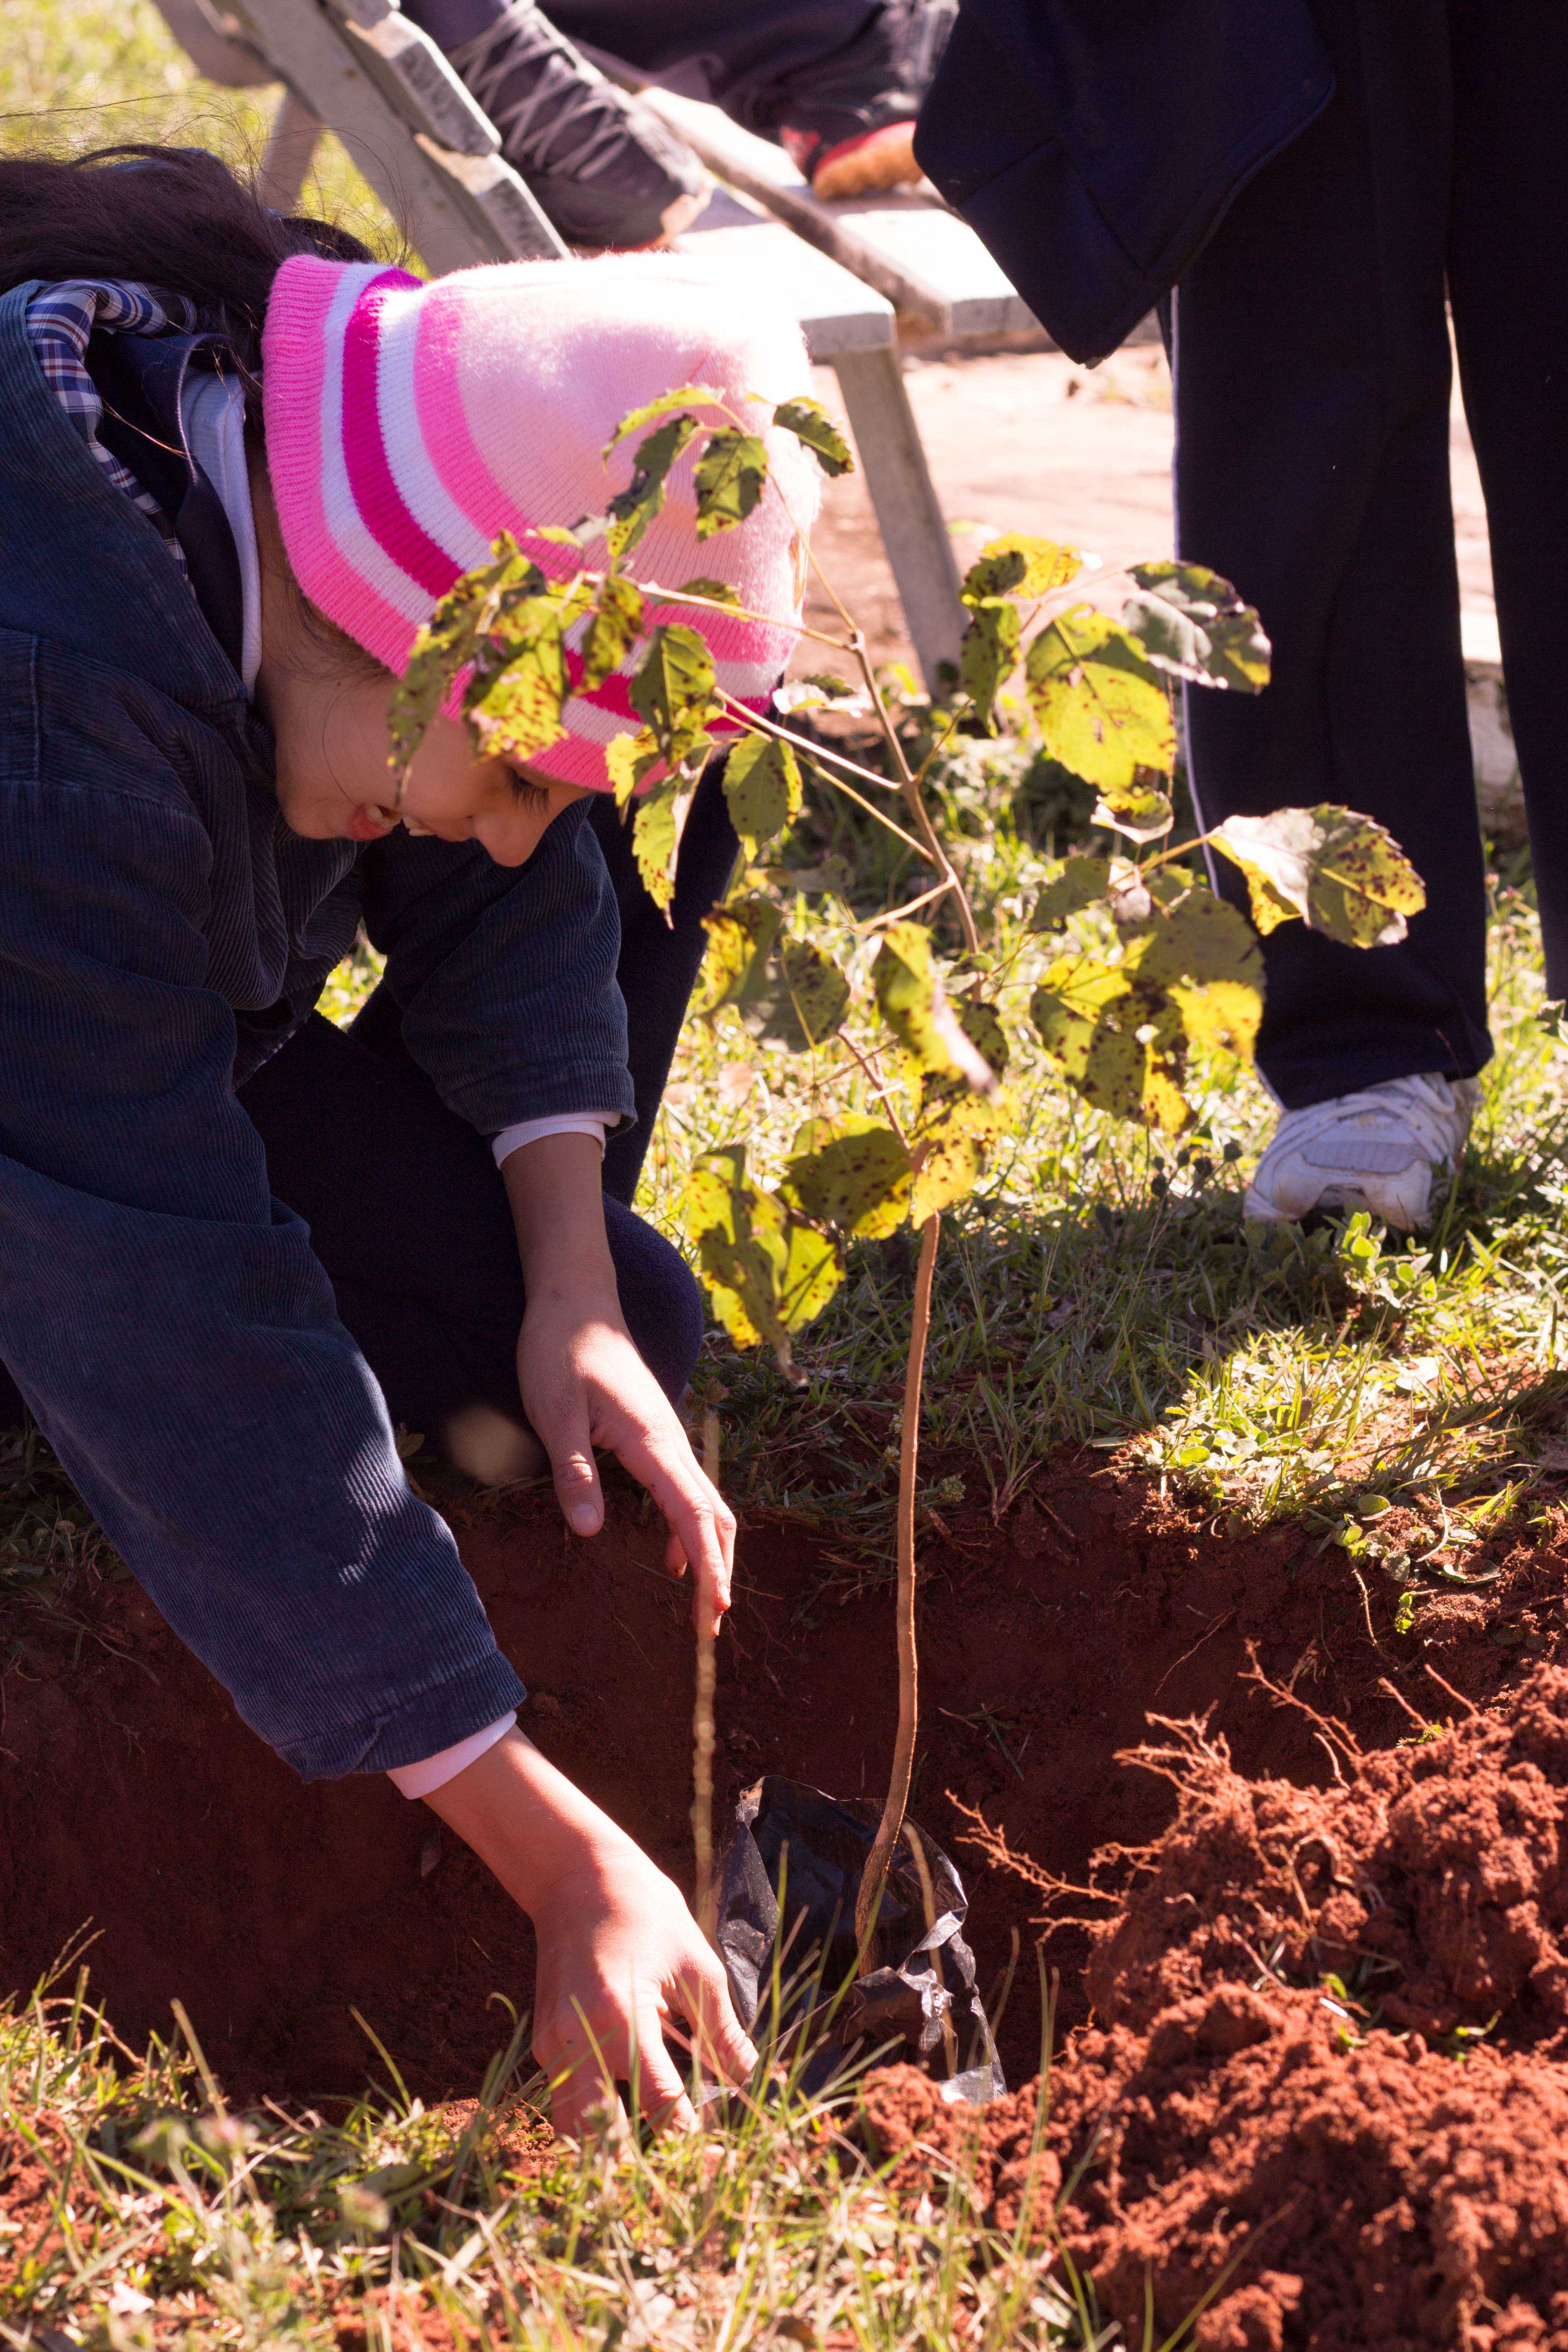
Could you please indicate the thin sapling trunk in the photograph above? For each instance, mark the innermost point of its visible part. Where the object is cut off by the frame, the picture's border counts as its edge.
(874, 1876)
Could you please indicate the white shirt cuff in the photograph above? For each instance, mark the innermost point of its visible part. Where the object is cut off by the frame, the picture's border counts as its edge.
(422, 1780)
(564, 1122)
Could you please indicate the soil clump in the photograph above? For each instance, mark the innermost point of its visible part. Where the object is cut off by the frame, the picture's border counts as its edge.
(1325, 2099)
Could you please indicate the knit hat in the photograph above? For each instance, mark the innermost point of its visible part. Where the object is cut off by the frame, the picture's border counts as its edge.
(408, 424)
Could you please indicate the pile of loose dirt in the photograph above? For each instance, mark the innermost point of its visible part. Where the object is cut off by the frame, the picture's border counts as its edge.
(1328, 2088)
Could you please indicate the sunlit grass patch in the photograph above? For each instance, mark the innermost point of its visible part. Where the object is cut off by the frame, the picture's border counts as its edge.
(138, 2210)
(82, 74)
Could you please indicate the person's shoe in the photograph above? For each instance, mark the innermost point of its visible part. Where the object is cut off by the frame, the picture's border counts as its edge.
(1378, 1150)
(605, 169)
(849, 120)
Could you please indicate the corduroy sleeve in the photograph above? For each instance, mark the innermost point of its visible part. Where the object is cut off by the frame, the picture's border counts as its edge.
(505, 976)
(166, 1320)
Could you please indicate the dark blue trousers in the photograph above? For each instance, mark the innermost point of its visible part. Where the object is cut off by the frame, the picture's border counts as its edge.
(406, 1208)
(1312, 383)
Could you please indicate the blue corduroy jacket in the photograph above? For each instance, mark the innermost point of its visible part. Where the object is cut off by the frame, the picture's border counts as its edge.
(1095, 145)
(161, 932)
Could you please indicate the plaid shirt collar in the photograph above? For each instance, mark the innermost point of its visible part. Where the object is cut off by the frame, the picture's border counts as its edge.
(61, 321)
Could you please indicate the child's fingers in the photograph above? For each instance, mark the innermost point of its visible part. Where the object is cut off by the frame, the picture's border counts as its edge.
(661, 2094)
(581, 2087)
(700, 1520)
(564, 1434)
(722, 2046)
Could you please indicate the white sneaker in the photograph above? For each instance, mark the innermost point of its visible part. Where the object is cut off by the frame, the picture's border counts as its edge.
(1377, 1149)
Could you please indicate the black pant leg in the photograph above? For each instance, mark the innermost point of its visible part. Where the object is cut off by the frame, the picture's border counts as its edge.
(1312, 418)
(659, 960)
(1511, 324)
(409, 1216)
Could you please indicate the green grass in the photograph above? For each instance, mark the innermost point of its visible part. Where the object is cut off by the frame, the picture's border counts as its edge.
(157, 2216)
(93, 73)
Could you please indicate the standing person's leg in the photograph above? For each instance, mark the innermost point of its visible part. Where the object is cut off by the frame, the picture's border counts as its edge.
(409, 1216)
(1506, 264)
(1312, 390)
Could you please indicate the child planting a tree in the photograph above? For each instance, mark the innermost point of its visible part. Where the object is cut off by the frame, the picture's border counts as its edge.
(240, 466)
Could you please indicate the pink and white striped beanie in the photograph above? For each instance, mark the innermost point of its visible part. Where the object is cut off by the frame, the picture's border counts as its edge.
(408, 424)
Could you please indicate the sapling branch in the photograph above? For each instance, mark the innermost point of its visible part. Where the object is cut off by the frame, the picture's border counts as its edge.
(874, 1878)
(912, 797)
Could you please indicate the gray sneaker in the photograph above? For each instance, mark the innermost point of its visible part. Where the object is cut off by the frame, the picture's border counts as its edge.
(605, 169)
(1376, 1149)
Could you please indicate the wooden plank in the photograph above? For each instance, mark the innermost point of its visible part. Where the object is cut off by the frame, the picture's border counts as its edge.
(908, 513)
(907, 245)
(456, 209)
(290, 148)
(837, 312)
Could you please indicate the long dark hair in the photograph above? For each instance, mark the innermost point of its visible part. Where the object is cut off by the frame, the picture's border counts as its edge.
(177, 220)
(174, 218)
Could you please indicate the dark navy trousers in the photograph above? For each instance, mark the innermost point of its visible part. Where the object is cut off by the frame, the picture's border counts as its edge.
(406, 1208)
(1312, 385)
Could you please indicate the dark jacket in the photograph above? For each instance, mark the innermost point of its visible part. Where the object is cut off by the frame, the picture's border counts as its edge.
(1095, 145)
(161, 932)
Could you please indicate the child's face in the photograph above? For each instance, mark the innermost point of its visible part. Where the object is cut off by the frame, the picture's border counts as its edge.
(330, 727)
(334, 783)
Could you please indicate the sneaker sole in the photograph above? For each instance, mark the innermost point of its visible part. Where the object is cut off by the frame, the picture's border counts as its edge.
(879, 159)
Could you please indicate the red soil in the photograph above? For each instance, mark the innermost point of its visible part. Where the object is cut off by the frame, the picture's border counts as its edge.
(1304, 2155)
(133, 1797)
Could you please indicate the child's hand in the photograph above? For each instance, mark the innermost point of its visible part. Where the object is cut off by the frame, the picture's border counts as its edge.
(583, 1384)
(620, 1957)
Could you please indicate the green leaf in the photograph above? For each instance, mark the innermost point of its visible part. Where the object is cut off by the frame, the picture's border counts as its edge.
(698, 395)
(632, 508)
(629, 760)
(1220, 1017)
(1089, 1018)
(514, 698)
(1140, 810)
(811, 424)
(956, 1127)
(989, 653)
(849, 1171)
(762, 790)
(1199, 940)
(446, 643)
(1082, 882)
(1016, 566)
(1191, 623)
(805, 998)
(913, 1003)
(767, 1274)
(953, 1139)
(672, 690)
(1101, 709)
(656, 829)
(728, 478)
(811, 693)
(741, 936)
(717, 592)
(616, 624)
(1343, 873)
